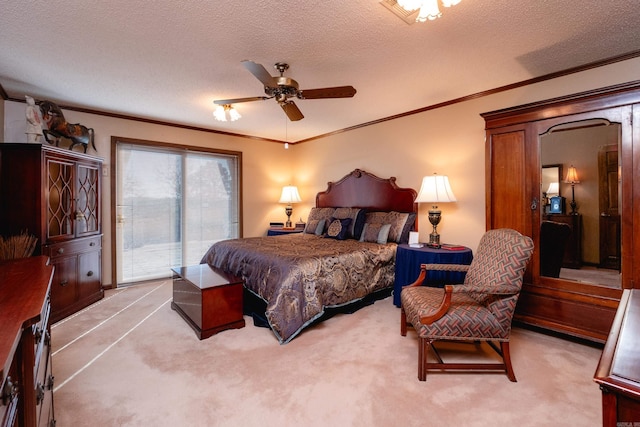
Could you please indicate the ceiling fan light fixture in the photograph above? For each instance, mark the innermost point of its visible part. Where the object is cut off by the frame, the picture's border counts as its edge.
(226, 113)
(410, 5)
(427, 9)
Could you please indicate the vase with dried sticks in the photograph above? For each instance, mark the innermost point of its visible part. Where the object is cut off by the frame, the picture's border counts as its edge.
(19, 246)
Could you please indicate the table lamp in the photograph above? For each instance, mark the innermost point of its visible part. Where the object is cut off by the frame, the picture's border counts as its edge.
(435, 189)
(289, 195)
(572, 178)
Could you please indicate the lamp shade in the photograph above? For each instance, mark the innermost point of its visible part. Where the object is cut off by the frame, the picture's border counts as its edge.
(290, 194)
(554, 188)
(435, 188)
(572, 176)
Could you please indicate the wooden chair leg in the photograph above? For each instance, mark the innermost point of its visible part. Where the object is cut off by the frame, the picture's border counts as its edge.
(403, 322)
(506, 357)
(422, 359)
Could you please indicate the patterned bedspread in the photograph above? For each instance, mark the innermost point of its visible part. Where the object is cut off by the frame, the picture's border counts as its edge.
(298, 275)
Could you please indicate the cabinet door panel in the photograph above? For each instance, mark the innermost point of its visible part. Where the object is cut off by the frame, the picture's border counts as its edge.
(507, 193)
(64, 285)
(89, 282)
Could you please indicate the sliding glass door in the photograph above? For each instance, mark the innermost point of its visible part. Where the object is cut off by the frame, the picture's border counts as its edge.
(171, 205)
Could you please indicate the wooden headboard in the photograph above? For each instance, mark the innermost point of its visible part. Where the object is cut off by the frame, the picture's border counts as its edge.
(361, 189)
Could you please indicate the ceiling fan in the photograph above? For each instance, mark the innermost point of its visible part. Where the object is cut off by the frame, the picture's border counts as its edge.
(283, 88)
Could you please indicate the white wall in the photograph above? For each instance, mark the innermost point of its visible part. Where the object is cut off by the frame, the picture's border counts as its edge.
(449, 140)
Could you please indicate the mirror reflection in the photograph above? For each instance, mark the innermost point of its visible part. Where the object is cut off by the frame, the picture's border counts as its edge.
(580, 187)
(551, 178)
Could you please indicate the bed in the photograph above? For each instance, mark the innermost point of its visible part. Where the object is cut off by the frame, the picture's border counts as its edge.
(346, 252)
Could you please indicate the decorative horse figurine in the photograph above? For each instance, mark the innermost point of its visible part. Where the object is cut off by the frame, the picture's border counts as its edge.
(58, 127)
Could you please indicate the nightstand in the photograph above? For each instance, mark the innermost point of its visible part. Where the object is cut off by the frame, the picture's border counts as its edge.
(409, 259)
(281, 231)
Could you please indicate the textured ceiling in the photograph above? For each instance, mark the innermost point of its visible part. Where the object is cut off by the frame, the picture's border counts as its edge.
(168, 60)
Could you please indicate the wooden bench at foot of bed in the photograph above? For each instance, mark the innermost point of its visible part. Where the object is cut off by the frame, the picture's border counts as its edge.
(208, 299)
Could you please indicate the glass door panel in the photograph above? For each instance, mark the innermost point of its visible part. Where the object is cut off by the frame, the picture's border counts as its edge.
(171, 205)
(87, 209)
(149, 205)
(60, 215)
(210, 204)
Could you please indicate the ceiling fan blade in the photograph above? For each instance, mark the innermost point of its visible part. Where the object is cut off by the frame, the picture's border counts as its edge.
(260, 73)
(238, 100)
(292, 111)
(328, 92)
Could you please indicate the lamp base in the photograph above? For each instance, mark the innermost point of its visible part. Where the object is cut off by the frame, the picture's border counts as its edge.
(573, 205)
(434, 219)
(434, 241)
(288, 210)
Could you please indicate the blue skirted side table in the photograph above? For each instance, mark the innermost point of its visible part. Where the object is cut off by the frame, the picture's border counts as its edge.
(409, 259)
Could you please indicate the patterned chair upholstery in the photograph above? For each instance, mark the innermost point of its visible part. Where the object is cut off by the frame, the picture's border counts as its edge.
(480, 309)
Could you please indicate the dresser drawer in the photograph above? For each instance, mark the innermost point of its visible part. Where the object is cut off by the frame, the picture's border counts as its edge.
(10, 393)
(42, 342)
(73, 247)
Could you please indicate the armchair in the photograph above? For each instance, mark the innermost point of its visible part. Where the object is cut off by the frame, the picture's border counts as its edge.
(479, 310)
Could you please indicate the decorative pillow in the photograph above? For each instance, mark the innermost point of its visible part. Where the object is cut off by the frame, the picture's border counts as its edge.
(321, 213)
(357, 216)
(318, 214)
(396, 219)
(315, 226)
(338, 228)
(377, 233)
(408, 226)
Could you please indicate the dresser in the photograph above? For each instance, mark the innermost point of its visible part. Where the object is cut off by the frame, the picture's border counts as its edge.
(26, 376)
(55, 194)
(618, 372)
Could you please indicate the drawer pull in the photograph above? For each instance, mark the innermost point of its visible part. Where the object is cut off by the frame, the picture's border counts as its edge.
(64, 283)
(89, 273)
(50, 382)
(60, 250)
(92, 244)
(39, 394)
(9, 391)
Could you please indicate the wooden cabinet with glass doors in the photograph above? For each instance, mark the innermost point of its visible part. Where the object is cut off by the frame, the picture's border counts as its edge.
(596, 133)
(55, 194)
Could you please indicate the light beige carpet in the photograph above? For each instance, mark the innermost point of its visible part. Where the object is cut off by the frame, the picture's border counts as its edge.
(129, 360)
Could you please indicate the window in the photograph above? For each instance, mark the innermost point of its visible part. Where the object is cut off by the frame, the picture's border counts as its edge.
(171, 202)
